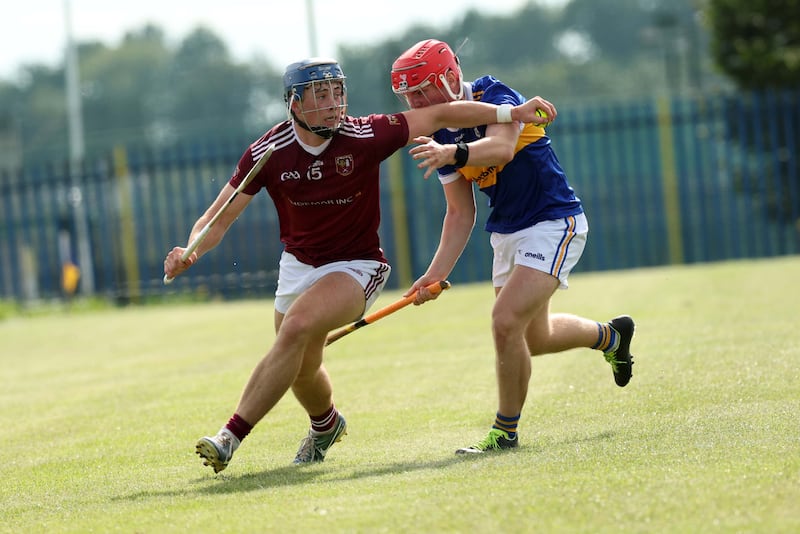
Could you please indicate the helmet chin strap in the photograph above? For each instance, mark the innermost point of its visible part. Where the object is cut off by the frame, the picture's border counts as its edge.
(454, 96)
(322, 131)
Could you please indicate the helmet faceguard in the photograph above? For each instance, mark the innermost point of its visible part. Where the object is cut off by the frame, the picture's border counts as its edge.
(324, 81)
(420, 74)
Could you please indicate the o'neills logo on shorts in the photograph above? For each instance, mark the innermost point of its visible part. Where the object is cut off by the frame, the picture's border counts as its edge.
(535, 255)
(344, 165)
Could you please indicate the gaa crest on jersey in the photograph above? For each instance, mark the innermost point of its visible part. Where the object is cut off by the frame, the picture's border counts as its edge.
(344, 165)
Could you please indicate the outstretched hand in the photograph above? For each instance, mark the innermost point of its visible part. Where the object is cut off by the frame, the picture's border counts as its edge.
(527, 111)
(431, 155)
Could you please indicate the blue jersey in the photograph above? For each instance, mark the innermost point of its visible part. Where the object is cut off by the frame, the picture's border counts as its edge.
(532, 187)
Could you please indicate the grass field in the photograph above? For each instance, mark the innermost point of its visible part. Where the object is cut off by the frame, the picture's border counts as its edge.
(101, 410)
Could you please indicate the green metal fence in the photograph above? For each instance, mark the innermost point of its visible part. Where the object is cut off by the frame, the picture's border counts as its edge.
(663, 181)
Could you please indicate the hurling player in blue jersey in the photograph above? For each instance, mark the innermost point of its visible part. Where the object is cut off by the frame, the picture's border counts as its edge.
(323, 179)
(537, 225)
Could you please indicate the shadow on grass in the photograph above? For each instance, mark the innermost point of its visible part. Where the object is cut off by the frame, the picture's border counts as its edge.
(292, 475)
(600, 436)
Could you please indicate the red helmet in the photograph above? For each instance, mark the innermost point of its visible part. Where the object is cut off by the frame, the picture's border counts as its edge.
(426, 63)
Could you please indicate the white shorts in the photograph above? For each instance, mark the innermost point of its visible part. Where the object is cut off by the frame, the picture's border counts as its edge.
(295, 277)
(553, 247)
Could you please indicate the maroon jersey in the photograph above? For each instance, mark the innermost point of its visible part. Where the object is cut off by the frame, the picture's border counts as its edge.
(328, 205)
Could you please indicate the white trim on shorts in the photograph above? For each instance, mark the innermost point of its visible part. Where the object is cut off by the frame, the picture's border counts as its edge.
(295, 277)
(553, 247)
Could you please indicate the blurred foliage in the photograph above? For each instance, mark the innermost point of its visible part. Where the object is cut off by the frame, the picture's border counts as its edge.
(589, 49)
(757, 42)
(147, 92)
(141, 92)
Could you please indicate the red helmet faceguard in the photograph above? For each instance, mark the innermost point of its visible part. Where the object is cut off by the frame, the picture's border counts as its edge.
(426, 64)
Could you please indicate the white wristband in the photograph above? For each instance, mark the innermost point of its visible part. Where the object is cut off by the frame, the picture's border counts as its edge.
(504, 113)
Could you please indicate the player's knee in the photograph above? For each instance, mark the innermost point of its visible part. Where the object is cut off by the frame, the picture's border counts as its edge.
(297, 327)
(505, 326)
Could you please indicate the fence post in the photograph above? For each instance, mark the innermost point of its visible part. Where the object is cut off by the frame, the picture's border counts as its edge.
(669, 182)
(399, 214)
(130, 260)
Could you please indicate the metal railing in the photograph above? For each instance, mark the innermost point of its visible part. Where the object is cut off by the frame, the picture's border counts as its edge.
(663, 181)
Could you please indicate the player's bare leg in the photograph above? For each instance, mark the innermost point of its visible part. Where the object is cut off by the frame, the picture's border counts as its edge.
(331, 302)
(567, 331)
(312, 386)
(295, 360)
(562, 331)
(523, 300)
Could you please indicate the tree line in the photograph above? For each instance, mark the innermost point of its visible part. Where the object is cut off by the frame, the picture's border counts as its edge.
(147, 92)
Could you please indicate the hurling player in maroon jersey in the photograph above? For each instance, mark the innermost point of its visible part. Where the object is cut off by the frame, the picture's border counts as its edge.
(323, 179)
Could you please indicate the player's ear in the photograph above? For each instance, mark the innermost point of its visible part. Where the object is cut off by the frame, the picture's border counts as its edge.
(296, 104)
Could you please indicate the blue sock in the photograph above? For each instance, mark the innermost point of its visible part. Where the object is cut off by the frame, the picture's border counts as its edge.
(506, 424)
(607, 338)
